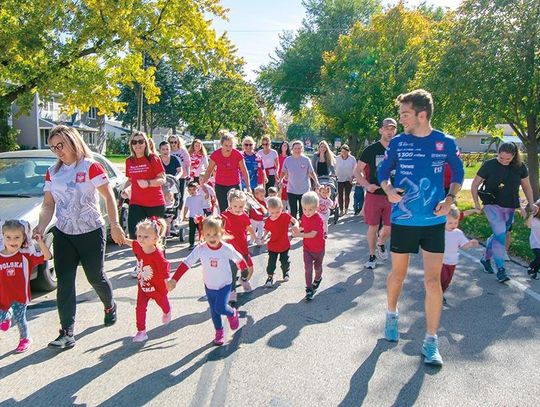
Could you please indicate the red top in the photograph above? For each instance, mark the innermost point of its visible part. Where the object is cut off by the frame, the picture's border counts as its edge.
(147, 169)
(236, 226)
(227, 173)
(279, 229)
(281, 161)
(152, 270)
(15, 271)
(257, 214)
(315, 244)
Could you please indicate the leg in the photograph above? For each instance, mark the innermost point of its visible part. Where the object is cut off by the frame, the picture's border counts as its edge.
(447, 272)
(317, 265)
(212, 296)
(308, 268)
(394, 282)
(91, 247)
(19, 317)
(432, 283)
(293, 203)
(163, 302)
(272, 261)
(384, 234)
(372, 238)
(285, 263)
(221, 196)
(500, 220)
(222, 306)
(136, 213)
(348, 189)
(140, 310)
(341, 191)
(192, 231)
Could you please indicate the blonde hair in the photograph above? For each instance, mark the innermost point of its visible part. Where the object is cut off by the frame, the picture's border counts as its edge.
(274, 202)
(310, 199)
(148, 148)
(266, 137)
(14, 224)
(158, 225)
(191, 148)
(236, 195)
(454, 212)
(259, 189)
(272, 190)
(226, 135)
(249, 138)
(71, 137)
(216, 224)
(329, 155)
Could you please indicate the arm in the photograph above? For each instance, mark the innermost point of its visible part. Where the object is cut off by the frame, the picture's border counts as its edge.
(474, 191)
(184, 214)
(209, 171)
(313, 176)
(383, 174)
(126, 187)
(361, 178)
(458, 174)
(117, 233)
(527, 189)
(529, 221)
(43, 247)
(180, 271)
(470, 212)
(245, 175)
(45, 214)
(186, 163)
(308, 235)
(251, 231)
(470, 243)
(128, 242)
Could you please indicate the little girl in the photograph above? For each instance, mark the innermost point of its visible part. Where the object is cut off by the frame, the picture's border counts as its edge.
(215, 256)
(17, 260)
(534, 239)
(454, 239)
(153, 272)
(325, 204)
(237, 224)
(257, 212)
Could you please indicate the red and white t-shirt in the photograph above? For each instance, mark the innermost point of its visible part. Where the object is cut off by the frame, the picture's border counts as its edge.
(15, 271)
(199, 164)
(279, 233)
(236, 226)
(325, 204)
(227, 173)
(74, 190)
(257, 213)
(269, 161)
(215, 264)
(313, 223)
(152, 270)
(146, 169)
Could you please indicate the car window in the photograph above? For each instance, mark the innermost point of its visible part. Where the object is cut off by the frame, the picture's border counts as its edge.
(110, 172)
(23, 176)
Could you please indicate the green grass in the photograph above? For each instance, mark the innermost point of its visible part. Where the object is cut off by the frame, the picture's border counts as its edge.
(477, 226)
(117, 158)
(470, 172)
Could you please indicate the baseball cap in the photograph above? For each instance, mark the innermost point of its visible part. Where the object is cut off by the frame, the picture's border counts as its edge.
(389, 122)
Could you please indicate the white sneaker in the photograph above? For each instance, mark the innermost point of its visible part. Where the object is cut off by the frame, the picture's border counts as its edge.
(141, 336)
(371, 263)
(381, 252)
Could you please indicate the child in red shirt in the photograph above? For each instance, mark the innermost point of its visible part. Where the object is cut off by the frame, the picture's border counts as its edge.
(314, 241)
(257, 213)
(153, 272)
(277, 224)
(237, 225)
(17, 259)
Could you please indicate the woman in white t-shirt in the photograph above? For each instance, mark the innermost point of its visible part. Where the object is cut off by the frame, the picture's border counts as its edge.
(270, 162)
(198, 158)
(345, 165)
(70, 192)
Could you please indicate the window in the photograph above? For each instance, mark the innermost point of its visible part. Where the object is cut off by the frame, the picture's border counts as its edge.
(89, 138)
(43, 136)
(92, 113)
(485, 141)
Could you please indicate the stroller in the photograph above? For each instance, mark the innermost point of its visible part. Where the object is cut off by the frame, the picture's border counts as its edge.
(332, 183)
(172, 205)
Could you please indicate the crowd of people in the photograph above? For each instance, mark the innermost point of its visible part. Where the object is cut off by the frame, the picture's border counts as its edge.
(237, 197)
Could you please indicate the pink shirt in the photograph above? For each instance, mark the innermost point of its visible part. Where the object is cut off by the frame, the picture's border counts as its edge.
(227, 173)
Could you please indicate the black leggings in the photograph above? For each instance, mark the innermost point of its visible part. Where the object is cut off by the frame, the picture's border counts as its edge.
(272, 262)
(221, 195)
(271, 182)
(88, 249)
(137, 213)
(192, 231)
(295, 205)
(535, 264)
(344, 191)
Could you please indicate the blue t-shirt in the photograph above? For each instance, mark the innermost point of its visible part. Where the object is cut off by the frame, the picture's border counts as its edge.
(253, 163)
(419, 165)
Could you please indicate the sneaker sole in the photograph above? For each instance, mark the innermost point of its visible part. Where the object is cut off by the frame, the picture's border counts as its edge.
(503, 280)
(431, 362)
(61, 347)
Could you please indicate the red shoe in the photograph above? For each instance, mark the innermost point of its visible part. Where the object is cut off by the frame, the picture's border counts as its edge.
(219, 338)
(24, 344)
(234, 322)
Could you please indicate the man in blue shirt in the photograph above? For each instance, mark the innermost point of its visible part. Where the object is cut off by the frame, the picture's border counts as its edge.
(420, 205)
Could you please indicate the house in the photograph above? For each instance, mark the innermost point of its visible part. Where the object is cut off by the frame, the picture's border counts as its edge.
(34, 127)
(115, 130)
(481, 141)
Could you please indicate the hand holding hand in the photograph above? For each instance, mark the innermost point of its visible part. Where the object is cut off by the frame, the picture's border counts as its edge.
(394, 195)
(372, 188)
(171, 284)
(442, 208)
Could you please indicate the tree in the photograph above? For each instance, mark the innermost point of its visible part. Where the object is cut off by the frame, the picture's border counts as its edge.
(484, 69)
(84, 49)
(294, 75)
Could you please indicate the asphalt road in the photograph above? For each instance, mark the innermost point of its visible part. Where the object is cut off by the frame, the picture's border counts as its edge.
(288, 352)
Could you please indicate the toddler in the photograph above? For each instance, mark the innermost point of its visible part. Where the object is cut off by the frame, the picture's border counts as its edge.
(325, 205)
(153, 272)
(215, 256)
(533, 222)
(257, 212)
(17, 260)
(194, 210)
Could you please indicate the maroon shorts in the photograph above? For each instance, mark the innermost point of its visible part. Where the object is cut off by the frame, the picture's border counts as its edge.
(377, 208)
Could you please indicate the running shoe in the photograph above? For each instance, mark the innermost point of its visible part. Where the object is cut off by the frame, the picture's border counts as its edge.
(219, 339)
(110, 316)
(246, 285)
(24, 344)
(444, 300)
(4, 326)
(530, 271)
(234, 321)
(64, 341)
(391, 332)
(381, 252)
(371, 263)
(487, 265)
(269, 282)
(316, 284)
(501, 275)
(140, 336)
(309, 294)
(286, 276)
(430, 350)
(166, 318)
(232, 297)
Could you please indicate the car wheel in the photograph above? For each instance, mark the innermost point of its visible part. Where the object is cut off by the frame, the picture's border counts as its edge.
(46, 275)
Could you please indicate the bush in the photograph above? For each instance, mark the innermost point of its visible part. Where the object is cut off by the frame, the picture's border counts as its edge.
(117, 145)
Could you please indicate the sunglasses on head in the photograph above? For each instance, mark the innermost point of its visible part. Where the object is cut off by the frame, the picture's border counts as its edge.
(138, 141)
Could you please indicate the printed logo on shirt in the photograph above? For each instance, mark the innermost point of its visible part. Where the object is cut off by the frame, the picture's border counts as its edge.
(213, 263)
(302, 166)
(80, 177)
(10, 272)
(439, 146)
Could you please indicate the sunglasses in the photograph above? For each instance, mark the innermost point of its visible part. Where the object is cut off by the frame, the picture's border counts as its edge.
(264, 144)
(248, 144)
(58, 147)
(173, 142)
(138, 141)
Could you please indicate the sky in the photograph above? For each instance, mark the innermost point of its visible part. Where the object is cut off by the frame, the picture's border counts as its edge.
(254, 26)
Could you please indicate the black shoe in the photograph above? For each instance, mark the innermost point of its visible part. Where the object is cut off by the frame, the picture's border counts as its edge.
(309, 294)
(286, 276)
(444, 300)
(532, 273)
(110, 316)
(269, 282)
(64, 341)
(502, 276)
(316, 284)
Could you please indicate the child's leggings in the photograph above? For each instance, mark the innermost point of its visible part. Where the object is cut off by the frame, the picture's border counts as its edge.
(447, 272)
(17, 313)
(219, 304)
(142, 305)
(258, 226)
(313, 261)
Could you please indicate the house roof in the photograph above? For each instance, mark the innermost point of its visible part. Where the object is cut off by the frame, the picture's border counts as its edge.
(83, 127)
(46, 124)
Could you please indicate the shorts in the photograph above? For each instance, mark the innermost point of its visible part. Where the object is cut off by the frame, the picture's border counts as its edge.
(407, 239)
(377, 208)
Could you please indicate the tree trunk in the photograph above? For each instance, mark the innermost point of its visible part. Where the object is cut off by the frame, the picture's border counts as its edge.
(532, 155)
(4, 127)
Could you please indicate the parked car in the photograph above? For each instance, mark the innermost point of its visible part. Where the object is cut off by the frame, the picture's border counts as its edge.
(210, 145)
(22, 177)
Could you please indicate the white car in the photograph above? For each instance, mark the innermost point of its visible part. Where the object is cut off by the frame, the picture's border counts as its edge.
(22, 177)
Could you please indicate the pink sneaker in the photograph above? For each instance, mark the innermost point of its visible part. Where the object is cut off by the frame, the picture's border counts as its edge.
(141, 336)
(234, 322)
(6, 323)
(24, 344)
(166, 318)
(220, 337)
